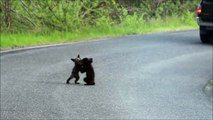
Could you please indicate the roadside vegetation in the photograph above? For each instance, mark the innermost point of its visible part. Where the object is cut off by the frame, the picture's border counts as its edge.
(35, 22)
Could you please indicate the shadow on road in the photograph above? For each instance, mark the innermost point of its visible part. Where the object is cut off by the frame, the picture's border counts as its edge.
(57, 83)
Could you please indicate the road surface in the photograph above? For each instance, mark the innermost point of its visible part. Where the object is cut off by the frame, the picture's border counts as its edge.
(153, 76)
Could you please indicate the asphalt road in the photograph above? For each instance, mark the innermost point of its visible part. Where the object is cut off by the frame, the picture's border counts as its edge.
(153, 76)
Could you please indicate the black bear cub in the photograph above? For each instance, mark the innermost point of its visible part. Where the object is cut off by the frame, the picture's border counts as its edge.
(88, 68)
(75, 71)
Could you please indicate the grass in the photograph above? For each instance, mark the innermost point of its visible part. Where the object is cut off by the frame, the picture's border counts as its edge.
(130, 25)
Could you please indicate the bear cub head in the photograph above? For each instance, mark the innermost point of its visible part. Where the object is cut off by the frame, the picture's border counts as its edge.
(87, 61)
(77, 60)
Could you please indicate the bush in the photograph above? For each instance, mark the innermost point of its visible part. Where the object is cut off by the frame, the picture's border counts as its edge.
(43, 16)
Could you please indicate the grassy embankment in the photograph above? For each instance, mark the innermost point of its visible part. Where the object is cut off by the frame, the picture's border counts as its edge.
(130, 25)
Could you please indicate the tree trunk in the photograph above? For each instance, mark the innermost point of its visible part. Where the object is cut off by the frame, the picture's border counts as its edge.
(156, 3)
(7, 13)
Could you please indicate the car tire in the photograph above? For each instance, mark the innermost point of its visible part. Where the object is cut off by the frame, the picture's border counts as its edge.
(204, 36)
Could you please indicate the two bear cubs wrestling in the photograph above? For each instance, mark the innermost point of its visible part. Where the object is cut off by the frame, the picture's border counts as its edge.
(83, 65)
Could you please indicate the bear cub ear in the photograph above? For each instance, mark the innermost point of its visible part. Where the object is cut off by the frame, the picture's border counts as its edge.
(90, 60)
(73, 59)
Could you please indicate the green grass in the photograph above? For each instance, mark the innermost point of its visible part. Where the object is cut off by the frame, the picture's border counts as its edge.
(130, 25)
